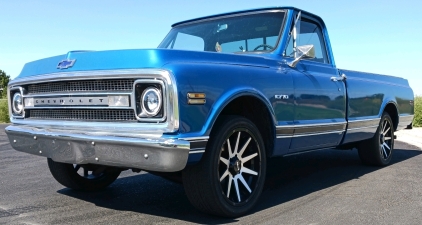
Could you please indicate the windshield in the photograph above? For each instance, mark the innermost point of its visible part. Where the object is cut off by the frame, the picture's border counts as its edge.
(243, 33)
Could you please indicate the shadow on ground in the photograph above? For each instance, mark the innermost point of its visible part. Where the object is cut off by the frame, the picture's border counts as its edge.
(287, 179)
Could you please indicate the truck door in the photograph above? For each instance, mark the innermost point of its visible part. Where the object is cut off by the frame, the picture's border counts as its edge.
(320, 100)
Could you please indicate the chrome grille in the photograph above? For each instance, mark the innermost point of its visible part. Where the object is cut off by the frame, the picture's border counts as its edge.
(83, 114)
(81, 86)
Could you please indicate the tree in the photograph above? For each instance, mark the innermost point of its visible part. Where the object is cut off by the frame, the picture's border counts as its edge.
(4, 80)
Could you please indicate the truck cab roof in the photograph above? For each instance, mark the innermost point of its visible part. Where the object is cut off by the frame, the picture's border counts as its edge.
(245, 11)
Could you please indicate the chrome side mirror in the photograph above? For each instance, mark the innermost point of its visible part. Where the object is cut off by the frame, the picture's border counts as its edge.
(304, 51)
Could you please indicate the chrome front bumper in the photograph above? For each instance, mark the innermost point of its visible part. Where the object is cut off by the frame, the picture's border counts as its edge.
(151, 153)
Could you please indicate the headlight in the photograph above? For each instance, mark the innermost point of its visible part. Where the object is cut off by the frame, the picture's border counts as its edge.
(151, 101)
(17, 103)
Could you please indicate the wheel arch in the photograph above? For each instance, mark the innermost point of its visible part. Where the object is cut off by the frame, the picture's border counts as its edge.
(392, 109)
(250, 104)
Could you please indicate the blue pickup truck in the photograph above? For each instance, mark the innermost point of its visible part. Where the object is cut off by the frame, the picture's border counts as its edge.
(219, 96)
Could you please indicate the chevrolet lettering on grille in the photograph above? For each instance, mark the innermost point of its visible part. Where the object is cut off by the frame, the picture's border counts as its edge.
(89, 101)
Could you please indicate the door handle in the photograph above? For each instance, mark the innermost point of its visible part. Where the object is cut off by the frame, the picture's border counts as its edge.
(343, 77)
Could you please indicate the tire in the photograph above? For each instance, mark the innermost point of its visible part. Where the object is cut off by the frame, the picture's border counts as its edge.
(378, 150)
(228, 180)
(93, 177)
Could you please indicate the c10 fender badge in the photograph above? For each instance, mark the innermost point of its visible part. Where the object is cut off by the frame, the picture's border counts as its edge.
(66, 63)
(281, 97)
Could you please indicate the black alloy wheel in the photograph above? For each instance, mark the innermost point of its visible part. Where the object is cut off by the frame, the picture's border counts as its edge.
(239, 169)
(230, 176)
(386, 138)
(379, 150)
(85, 177)
(89, 172)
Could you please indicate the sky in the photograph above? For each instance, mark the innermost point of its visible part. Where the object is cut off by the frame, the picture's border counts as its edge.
(371, 36)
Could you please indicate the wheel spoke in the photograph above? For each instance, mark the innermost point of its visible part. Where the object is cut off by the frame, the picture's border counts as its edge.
(381, 149)
(225, 161)
(229, 148)
(237, 144)
(384, 126)
(249, 171)
(225, 174)
(247, 158)
(244, 183)
(385, 153)
(239, 155)
(236, 185)
(386, 131)
(387, 138)
(77, 167)
(230, 185)
(385, 144)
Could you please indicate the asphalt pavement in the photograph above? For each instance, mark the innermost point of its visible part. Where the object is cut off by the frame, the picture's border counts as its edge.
(324, 187)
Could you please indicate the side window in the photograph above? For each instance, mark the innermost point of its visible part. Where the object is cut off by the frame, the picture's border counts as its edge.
(188, 42)
(310, 34)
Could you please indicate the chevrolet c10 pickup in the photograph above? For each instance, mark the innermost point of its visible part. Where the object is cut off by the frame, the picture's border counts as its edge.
(219, 96)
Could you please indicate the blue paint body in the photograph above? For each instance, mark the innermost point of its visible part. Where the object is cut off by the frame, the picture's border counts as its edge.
(313, 98)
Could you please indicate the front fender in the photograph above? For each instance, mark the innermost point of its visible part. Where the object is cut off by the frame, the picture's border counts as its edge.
(228, 97)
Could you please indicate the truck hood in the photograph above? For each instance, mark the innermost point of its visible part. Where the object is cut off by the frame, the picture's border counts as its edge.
(134, 59)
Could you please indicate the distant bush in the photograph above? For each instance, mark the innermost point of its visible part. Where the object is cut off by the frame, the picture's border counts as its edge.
(417, 121)
(4, 111)
(4, 80)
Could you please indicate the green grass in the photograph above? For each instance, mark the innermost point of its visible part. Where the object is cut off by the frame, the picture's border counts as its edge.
(4, 111)
(417, 121)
